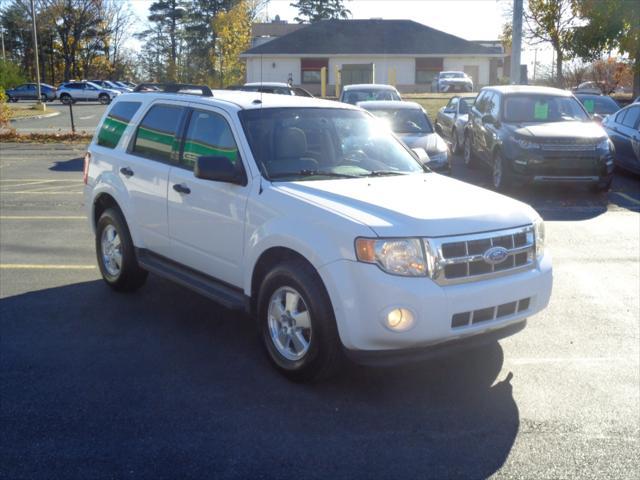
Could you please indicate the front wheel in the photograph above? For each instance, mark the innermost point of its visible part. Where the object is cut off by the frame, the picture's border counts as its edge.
(116, 254)
(499, 177)
(455, 143)
(469, 156)
(297, 324)
(104, 99)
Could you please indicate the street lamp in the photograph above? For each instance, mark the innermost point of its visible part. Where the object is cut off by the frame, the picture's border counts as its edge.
(39, 104)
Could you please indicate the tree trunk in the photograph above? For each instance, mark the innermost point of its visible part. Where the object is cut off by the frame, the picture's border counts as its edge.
(636, 75)
(559, 60)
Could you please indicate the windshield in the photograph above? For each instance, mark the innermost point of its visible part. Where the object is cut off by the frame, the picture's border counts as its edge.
(542, 108)
(451, 75)
(405, 120)
(320, 143)
(598, 104)
(365, 95)
(465, 105)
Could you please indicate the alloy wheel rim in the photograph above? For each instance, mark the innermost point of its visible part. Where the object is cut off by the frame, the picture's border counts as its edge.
(289, 322)
(111, 246)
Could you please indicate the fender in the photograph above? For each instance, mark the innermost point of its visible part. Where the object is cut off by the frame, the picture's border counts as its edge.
(108, 182)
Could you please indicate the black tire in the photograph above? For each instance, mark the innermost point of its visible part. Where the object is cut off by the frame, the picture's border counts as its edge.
(13, 100)
(43, 98)
(130, 276)
(601, 187)
(468, 154)
(455, 143)
(500, 179)
(324, 352)
(104, 99)
(66, 99)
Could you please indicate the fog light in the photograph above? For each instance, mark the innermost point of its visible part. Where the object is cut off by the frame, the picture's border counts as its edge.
(399, 319)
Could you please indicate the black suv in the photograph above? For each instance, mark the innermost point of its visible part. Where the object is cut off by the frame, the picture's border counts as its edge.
(537, 134)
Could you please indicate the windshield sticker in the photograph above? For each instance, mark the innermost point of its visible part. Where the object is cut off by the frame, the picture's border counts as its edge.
(541, 111)
(589, 105)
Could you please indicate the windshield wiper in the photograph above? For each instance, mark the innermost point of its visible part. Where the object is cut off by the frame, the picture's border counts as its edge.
(311, 173)
(381, 173)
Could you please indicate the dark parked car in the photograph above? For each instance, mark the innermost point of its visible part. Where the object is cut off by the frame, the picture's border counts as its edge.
(410, 123)
(273, 87)
(29, 91)
(598, 106)
(624, 131)
(537, 134)
(452, 119)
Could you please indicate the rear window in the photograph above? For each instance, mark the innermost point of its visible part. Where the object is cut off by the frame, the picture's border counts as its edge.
(116, 123)
(366, 95)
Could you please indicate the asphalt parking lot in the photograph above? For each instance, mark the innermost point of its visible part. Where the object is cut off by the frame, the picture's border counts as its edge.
(86, 116)
(166, 384)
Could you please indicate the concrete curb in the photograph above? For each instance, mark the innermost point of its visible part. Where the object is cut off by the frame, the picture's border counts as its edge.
(36, 117)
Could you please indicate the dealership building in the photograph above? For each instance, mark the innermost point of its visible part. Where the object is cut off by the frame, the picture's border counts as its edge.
(401, 52)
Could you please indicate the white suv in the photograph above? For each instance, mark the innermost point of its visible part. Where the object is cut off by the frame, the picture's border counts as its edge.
(72, 92)
(314, 218)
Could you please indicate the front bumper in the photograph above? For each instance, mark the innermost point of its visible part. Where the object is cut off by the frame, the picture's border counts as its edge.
(362, 295)
(550, 167)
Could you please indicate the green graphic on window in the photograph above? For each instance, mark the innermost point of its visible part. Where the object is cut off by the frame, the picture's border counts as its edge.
(541, 111)
(590, 105)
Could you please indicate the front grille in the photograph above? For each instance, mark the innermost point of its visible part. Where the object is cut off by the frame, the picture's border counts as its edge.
(462, 259)
(568, 144)
(464, 319)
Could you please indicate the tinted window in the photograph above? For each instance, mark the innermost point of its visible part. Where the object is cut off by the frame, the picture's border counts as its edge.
(208, 135)
(598, 104)
(452, 103)
(493, 106)
(75, 86)
(116, 122)
(355, 96)
(542, 108)
(481, 101)
(155, 137)
(465, 105)
(631, 118)
(319, 143)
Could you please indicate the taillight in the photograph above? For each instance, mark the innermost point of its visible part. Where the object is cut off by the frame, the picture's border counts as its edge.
(85, 172)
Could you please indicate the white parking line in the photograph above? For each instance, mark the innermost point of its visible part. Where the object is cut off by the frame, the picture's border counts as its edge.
(39, 193)
(43, 266)
(42, 217)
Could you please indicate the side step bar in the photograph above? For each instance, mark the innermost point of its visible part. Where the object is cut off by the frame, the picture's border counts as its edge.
(227, 296)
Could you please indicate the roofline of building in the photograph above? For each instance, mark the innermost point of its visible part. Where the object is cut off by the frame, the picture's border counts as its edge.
(369, 55)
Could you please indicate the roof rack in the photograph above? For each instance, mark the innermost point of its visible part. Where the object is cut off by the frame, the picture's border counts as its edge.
(174, 88)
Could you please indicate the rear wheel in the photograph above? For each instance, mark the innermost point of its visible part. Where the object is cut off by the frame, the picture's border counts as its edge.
(43, 98)
(66, 99)
(104, 99)
(116, 254)
(297, 323)
(455, 143)
(500, 177)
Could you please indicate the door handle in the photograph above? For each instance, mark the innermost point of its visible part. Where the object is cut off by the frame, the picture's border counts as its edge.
(126, 171)
(182, 188)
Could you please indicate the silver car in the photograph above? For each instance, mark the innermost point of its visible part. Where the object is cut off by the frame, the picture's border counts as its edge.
(72, 92)
(452, 82)
(452, 118)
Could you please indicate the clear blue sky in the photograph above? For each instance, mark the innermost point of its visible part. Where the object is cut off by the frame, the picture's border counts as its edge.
(469, 19)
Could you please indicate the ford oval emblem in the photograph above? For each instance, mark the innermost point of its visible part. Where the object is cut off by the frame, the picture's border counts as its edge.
(495, 255)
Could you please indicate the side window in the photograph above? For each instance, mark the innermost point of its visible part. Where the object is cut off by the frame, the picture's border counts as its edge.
(631, 118)
(494, 106)
(453, 103)
(480, 101)
(620, 116)
(208, 135)
(116, 122)
(156, 134)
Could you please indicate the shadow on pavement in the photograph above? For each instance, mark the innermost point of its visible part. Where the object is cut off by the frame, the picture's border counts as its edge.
(165, 384)
(73, 165)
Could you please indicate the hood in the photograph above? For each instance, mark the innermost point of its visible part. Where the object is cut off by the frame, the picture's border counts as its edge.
(413, 205)
(568, 130)
(431, 142)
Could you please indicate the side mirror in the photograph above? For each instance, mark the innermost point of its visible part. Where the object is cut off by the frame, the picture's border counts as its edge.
(488, 119)
(422, 155)
(219, 169)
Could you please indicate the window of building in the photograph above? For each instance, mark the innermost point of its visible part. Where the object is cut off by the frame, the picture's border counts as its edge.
(311, 67)
(427, 69)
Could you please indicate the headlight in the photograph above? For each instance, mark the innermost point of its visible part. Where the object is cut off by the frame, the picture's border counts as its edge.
(438, 157)
(538, 227)
(397, 256)
(525, 144)
(605, 144)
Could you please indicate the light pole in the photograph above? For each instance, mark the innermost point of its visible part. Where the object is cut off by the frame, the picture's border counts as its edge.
(4, 56)
(39, 104)
(516, 42)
